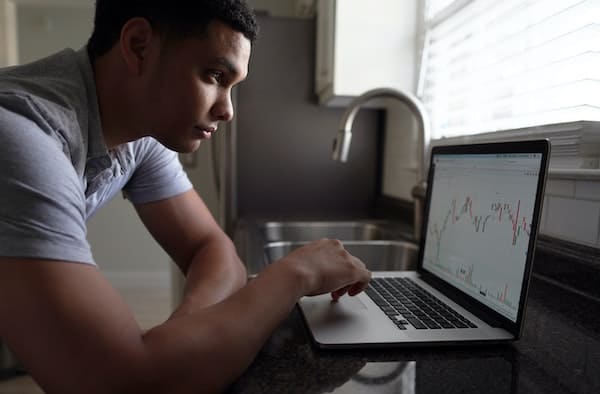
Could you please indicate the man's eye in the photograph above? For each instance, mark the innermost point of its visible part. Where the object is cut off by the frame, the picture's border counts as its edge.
(216, 75)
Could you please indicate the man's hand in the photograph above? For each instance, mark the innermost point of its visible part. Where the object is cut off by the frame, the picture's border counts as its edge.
(325, 266)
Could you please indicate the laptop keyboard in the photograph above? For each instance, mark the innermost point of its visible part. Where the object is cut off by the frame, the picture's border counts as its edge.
(408, 304)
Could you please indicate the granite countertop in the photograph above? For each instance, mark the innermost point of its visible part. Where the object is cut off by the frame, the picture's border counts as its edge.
(558, 353)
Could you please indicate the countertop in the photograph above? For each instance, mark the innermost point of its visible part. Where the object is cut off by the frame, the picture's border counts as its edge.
(559, 352)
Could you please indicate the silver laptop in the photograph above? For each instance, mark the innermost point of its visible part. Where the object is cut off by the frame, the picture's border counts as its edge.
(481, 218)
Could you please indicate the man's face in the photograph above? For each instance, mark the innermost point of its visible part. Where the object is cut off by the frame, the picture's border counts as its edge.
(189, 89)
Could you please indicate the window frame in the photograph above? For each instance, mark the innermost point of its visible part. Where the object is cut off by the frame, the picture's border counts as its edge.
(583, 136)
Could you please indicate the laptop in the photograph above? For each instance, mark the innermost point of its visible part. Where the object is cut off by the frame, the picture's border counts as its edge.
(481, 217)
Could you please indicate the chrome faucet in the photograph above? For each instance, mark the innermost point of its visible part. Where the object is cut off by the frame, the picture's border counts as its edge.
(341, 145)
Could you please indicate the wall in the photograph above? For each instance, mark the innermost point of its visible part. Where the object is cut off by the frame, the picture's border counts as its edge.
(43, 30)
(285, 8)
(285, 138)
(274, 7)
(572, 210)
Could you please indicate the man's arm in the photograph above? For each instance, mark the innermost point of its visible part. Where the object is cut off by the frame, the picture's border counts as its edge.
(74, 333)
(185, 228)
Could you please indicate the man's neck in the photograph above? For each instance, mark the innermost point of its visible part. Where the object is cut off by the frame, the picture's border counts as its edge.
(114, 100)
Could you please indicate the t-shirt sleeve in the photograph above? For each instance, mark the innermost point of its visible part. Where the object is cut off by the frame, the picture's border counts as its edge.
(158, 174)
(42, 203)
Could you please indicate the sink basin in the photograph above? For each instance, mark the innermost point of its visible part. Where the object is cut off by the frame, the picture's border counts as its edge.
(377, 255)
(251, 236)
(342, 230)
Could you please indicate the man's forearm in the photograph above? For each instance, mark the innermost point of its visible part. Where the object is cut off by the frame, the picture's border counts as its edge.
(205, 349)
(214, 273)
(209, 348)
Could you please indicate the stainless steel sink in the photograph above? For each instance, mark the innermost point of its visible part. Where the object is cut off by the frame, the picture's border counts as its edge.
(342, 230)
(377, 255)
(252, 236)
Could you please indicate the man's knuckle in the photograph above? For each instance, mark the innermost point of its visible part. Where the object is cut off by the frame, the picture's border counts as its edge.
(336, 243)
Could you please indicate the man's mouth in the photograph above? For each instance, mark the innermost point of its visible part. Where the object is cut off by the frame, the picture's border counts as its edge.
(205, 132)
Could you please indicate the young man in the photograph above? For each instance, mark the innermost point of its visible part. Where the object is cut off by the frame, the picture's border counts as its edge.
(76, 128)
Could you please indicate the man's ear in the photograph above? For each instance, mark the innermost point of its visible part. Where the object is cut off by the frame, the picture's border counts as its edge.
(136, 42)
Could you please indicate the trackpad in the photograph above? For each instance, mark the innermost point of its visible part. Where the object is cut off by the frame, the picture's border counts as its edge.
(350, 303)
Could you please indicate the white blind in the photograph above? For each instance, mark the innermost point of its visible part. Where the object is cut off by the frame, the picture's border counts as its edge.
(494, 65)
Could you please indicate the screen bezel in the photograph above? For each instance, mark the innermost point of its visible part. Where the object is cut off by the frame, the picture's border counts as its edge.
(488, 314)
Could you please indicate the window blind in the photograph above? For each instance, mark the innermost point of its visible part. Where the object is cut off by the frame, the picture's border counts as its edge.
(493, 65)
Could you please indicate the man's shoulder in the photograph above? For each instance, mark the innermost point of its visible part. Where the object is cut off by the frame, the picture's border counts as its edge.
(52, 93)
(28, 140)
(27, 120)
(47, 115)
(55, 78)
(48, 87)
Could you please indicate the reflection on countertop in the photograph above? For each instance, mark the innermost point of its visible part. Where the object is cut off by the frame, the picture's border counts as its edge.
(558, 353)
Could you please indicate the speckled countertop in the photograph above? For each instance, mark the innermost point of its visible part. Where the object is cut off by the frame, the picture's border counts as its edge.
(558, 353)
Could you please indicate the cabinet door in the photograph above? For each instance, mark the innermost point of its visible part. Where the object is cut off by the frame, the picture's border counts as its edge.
(324, 45)
(362, 45)
(8, 33)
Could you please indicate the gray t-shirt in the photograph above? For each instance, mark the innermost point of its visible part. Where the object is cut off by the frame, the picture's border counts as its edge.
(55, 169)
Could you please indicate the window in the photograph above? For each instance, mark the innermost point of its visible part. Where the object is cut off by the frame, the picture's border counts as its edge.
(493, 65)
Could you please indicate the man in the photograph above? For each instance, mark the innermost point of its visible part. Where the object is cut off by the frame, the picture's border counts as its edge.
(77, 128)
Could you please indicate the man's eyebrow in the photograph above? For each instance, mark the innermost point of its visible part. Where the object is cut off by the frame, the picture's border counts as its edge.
(228, 65)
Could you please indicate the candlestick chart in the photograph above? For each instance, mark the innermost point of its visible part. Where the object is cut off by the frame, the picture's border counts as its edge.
(478, 231)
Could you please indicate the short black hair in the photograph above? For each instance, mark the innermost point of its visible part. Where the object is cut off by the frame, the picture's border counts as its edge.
(173, 18)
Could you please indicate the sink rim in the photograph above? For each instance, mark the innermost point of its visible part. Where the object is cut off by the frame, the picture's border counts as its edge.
(378, 255)
(310, 230)
(375, 242)
(332, 223)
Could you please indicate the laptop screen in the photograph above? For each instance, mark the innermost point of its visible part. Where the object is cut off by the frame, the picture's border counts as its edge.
(479, 223)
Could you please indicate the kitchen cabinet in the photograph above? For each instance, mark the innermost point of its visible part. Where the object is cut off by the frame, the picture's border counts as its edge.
(363, 45)
(8, 33)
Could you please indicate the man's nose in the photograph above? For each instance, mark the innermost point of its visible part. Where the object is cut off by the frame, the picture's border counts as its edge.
(223, 108)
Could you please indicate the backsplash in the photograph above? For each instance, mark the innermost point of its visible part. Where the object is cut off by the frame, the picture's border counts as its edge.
(572, 211)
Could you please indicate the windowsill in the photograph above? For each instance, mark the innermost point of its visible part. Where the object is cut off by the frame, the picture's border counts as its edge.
(575, 146)
(580, 174)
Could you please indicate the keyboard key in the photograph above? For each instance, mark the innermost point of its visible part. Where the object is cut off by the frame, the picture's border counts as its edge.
(416, 323)
(405, 302)
(432, 325)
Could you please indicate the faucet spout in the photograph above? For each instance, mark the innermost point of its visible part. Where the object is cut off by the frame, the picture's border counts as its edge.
(341, 145)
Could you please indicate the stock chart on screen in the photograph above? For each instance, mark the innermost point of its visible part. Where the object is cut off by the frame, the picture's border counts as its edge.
(478, 227)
